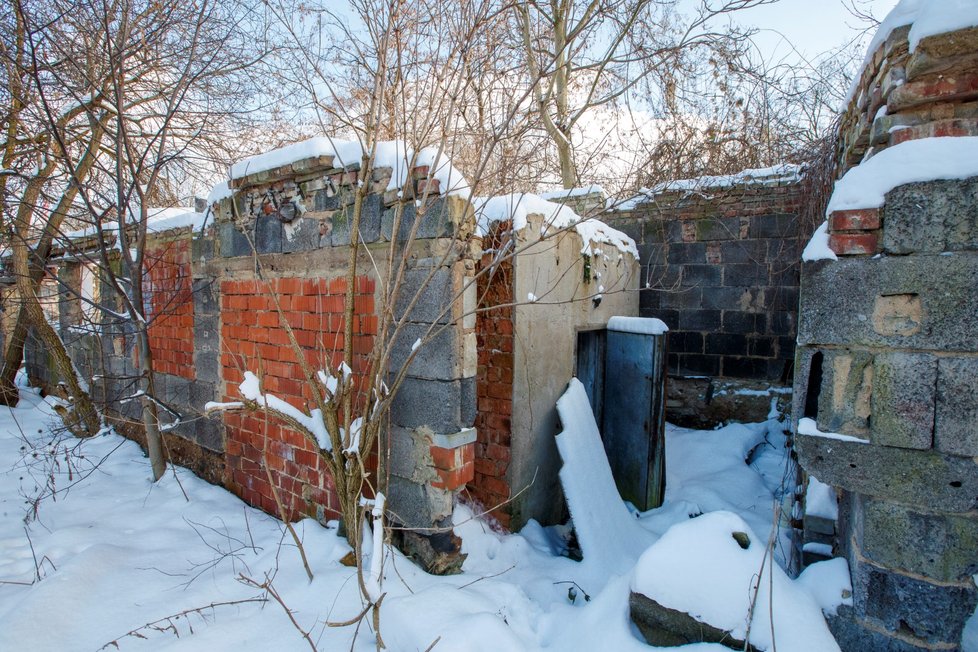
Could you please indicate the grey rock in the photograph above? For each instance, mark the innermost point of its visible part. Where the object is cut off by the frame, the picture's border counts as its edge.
(665, 627)
(268, 234)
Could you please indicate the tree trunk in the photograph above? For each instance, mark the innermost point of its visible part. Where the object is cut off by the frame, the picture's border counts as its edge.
(151, 423)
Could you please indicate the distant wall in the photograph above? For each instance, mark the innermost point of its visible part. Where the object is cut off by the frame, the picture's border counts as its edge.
(720, 268)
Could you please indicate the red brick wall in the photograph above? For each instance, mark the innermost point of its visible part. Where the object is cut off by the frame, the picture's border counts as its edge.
(494, 383)
(253, 340)
(168, 296)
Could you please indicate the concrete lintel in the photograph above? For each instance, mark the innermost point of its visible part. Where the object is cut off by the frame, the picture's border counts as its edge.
(455, 439)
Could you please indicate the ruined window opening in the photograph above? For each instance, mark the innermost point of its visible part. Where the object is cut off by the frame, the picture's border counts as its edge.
(814, 386)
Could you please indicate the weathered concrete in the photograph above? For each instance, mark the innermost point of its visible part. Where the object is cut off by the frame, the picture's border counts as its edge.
(904, 386)
(931, 217)
(956, 424)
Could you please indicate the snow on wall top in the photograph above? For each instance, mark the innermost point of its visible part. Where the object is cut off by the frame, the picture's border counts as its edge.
(157, 221)
(518, 207)
(818, 247)
(394, 154)
(776, 174)
(574, 192)
(926, 18)
(638, 325)
(927, 159)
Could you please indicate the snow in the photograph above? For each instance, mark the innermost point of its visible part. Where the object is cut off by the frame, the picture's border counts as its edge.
(574, 192)
(807, 426)
(117, 552)
(818, 247)
(926, 159)
(775, 174)
(395, 154)
(638, 325)
(250, 388)
(517, 207)
(219, 192)
(607, 532)
(829, 583)
(820, 500)
(699, 568)
(157, 221)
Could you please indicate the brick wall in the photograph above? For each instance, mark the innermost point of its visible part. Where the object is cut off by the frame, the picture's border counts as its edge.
(494, 382)
(253, 340)
(170, 307)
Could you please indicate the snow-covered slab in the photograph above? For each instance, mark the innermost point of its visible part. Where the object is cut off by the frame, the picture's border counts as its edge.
(517, 207)
(638, 325)
(607, 532)
(574, 192)
(807, 426)
(926, 159)
(157, 221)
(699, 568)
(394, 154)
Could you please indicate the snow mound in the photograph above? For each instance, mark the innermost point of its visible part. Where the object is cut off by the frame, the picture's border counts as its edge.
(829, 584)
(517, 207)
(821, 500)
(698, 567)
(927, 159)
(818, 247)
(394, 154)
(608, 534)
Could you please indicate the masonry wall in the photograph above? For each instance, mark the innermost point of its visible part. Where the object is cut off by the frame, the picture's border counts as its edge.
(888, 362)
(720, 268)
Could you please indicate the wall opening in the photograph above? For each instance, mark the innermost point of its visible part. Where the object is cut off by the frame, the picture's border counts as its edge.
(814, 386)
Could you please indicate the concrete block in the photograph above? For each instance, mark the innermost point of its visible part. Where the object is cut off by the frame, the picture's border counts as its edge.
(176, 391)
(418, 506)
(410, 457)
(233, 241)
(206, 297)
(437, 220)
(433, 297)
(941, 546)
(432, 403)
(956, 424)
(209, 433)
(911, 477)
(268, 234)
(200, 393)
(931, 217)
(405, 214)
(301, 235)
(468, 407)
(440, 358)
(844, 400)
(202, 247)
(701, 275)
(933, 613)
(871, 302)
(904, 387)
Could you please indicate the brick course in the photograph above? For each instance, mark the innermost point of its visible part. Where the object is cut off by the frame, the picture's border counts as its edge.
(170, 308)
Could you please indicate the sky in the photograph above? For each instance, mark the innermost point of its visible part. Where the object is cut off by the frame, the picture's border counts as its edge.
(810, 27)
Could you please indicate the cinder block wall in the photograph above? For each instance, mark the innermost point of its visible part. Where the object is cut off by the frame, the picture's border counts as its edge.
(720, 268)
(888, 358)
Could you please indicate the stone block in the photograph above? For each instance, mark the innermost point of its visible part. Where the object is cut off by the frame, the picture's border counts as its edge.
(699, 320)
(428, 403)
(910, 477)
(202, 247)
(233, 241)
(931, 217)
(745, 251)
(404, 214)
(933, 613)
(436, 219)
(209, 433)
(941, 546)
(844, 403)
(301, 235)
(782, 226)
(434, 290)
(846, 302)
(717, 228)
(686, 253)
(176, 391)
(409, 455)
(956, 424)
(469, 405)
(200, 393)
(268, 234)
(440, 358)
(206, 297)
(701, 275)
(904, 387)
(745, 275)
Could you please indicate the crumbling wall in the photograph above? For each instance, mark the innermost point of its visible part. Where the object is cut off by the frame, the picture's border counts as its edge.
(888, 360)
(720, 267)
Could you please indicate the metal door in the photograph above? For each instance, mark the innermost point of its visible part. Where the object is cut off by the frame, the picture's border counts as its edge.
(633, 419)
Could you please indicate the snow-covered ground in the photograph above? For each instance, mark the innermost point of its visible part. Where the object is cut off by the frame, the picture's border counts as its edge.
(111, 554)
